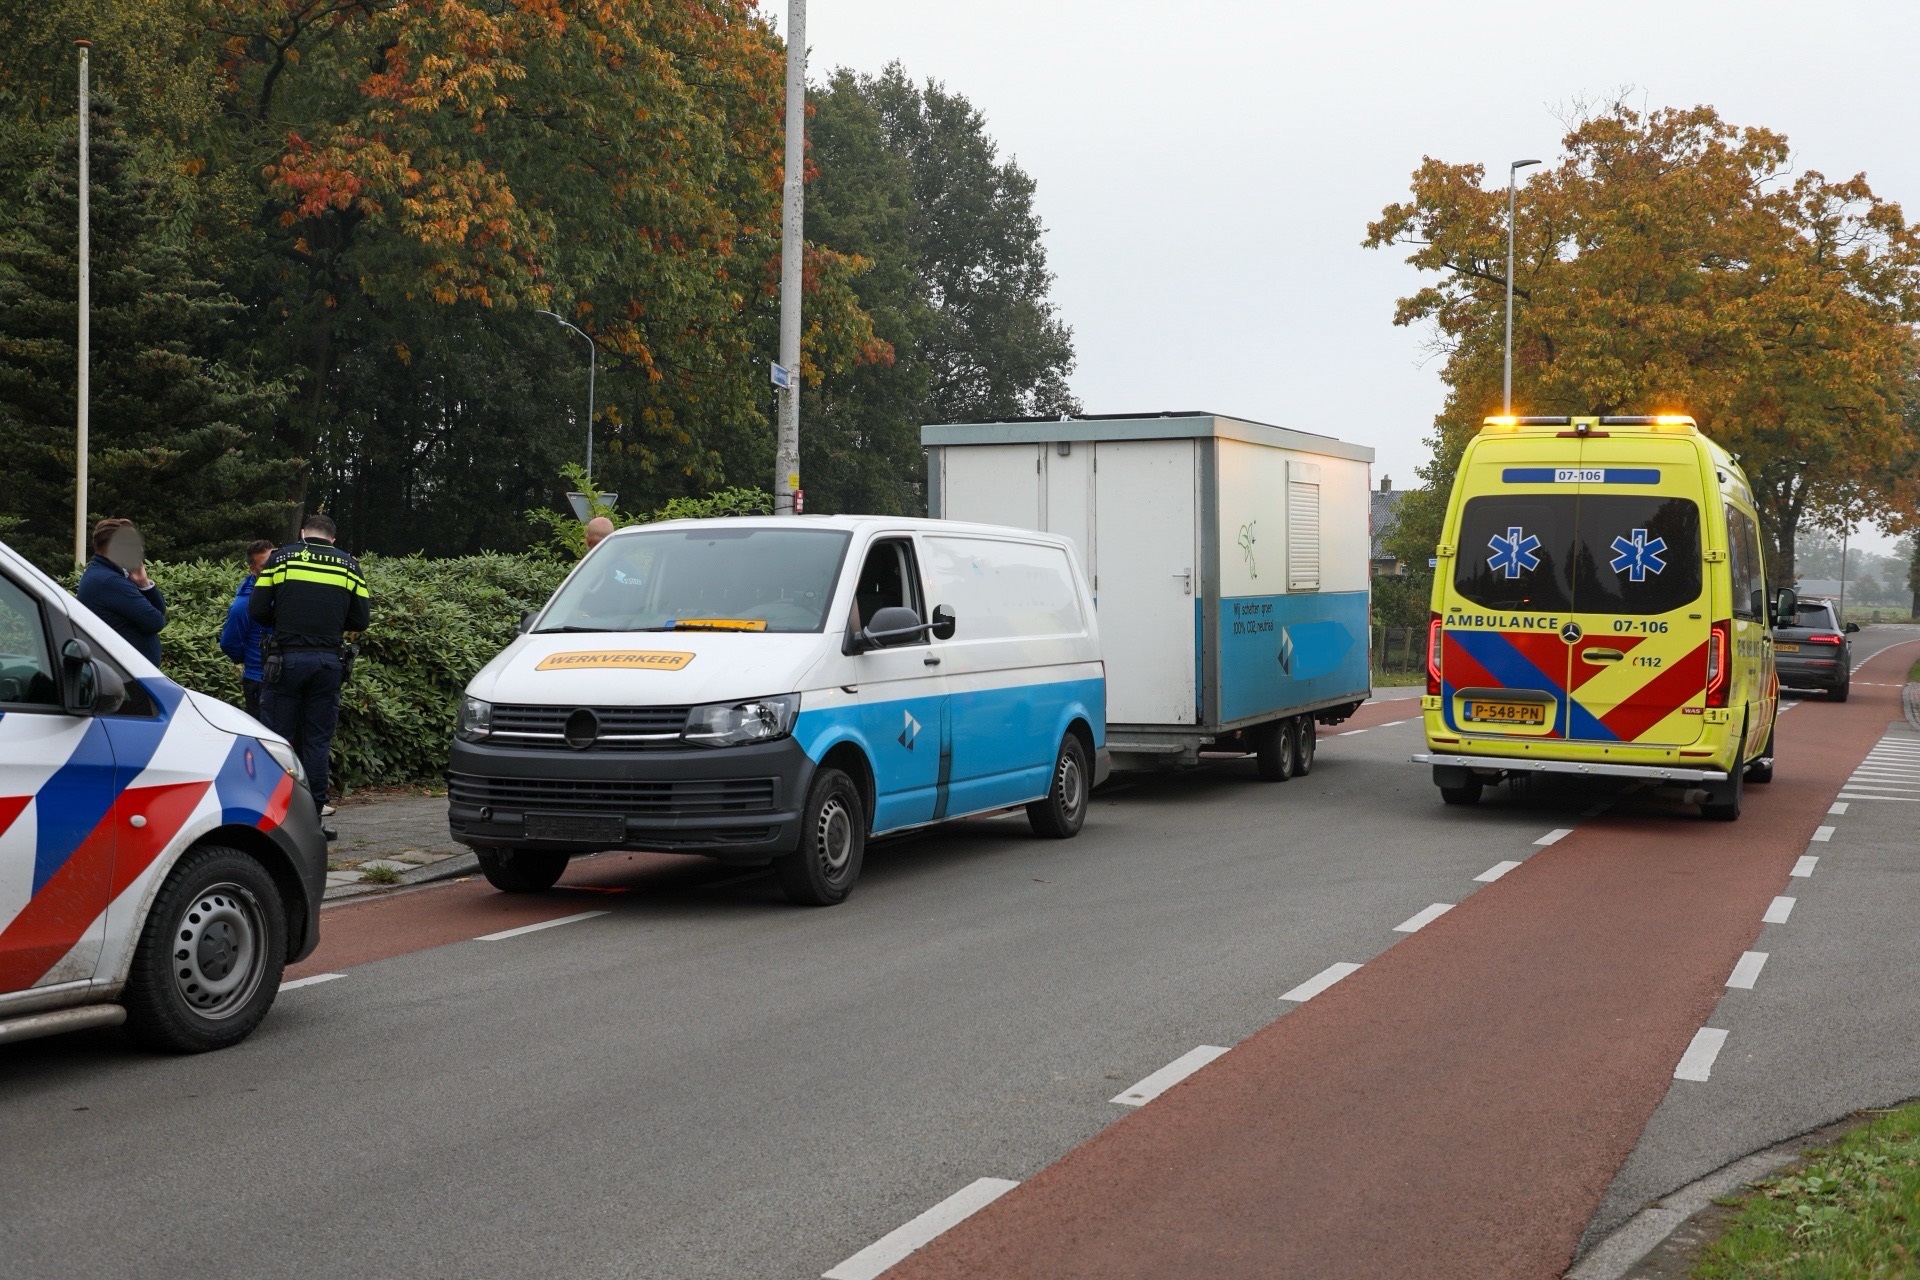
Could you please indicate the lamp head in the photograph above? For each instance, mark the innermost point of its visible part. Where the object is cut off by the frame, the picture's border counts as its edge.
(1521, 164)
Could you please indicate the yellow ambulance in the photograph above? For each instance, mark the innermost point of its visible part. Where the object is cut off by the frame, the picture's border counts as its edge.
(1600, 608)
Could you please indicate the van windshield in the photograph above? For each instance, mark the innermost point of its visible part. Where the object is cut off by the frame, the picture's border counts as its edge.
(1598, 553)
(711, 579)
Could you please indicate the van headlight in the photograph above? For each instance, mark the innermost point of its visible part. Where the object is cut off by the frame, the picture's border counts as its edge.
(476, 719)
(284, 757)
(730, 724)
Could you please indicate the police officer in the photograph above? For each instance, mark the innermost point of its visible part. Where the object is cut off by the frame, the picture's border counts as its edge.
(310, 593)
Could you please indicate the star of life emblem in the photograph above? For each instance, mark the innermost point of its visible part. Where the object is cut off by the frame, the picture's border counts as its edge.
(1515, 554)
(1637, 556)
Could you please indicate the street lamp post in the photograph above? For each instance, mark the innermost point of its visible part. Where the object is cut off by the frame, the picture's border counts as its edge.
(83, 392)
(786, 457)
(1506, 397)
(593, 363)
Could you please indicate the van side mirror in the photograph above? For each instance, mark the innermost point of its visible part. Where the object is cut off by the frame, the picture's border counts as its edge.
(893, 625)
(1787, 608)
(943, 622)
(526, 621)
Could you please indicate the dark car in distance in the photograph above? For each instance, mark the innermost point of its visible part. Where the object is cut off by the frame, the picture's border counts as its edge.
(1810, 650)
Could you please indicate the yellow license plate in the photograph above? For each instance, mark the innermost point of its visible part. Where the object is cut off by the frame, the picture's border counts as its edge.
(1507, 712)
(1786, 648)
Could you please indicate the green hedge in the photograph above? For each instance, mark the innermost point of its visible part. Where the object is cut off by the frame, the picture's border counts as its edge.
(435, 623)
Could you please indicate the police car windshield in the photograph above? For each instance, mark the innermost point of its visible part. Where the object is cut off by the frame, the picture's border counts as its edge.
(709, 579)
(1592, 553)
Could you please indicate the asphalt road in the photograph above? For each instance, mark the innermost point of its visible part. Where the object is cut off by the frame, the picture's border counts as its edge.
(705, 1082)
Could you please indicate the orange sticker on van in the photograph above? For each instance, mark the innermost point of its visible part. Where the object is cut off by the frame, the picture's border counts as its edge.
(625, 660)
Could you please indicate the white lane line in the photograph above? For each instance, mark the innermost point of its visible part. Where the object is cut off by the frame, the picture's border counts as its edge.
(1697, 1062)
(1837, 808)
(1746, 971)
(1422, 918)
(1555, 836)
(1859, 795)
(1391, 724)
(1777, 913)
(905, 1239)
(1321, 981)
(1822, 834)
(1349, 733)
(504, 934)
(1805, 866)
(1168, 1076)
(313, 980)
(1495, 871)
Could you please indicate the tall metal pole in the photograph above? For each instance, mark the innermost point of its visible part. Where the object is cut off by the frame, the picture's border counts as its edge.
(1506, 396)
(786, 460)
(86, 335)
(593, 367)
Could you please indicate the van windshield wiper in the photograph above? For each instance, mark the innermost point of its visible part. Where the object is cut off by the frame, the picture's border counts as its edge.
(570, 629)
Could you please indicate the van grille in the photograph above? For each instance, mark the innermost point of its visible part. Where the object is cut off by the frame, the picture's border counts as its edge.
(542, 728)
(680, 799)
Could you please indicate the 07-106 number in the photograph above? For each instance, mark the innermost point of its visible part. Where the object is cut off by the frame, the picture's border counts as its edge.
(1655, 627)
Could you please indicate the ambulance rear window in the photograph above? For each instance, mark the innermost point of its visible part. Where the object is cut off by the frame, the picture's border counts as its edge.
(1514, 551)
(1637, 555)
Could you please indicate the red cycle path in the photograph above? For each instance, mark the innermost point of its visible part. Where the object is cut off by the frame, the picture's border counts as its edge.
(1458, 1107)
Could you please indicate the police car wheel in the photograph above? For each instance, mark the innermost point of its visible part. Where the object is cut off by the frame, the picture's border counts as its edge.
(833, 841)
(1064, 811)
(1275, 752)
(1305, 741)
(209, 959)
(521, 870)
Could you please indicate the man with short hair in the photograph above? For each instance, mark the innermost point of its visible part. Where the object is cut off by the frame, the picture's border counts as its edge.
(311, 593)
(116, 587)
(242, 639)
(597, 530)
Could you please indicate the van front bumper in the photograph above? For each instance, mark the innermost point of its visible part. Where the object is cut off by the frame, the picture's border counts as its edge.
(738, 804)
(1524, 764)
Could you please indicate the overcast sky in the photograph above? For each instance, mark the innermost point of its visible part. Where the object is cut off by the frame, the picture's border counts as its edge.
(1207, 168)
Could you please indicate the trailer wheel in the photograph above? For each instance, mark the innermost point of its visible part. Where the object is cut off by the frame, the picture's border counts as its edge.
(1275, 753)
(1303, 748)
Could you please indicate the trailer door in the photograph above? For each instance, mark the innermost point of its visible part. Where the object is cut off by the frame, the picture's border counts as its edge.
(1147, 572)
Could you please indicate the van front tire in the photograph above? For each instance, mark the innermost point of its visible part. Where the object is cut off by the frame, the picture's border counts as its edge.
(833, 842)
(209, 960)
(521, 870)
(1061, 815)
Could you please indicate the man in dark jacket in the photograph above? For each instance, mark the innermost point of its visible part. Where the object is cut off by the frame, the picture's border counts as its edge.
(311, 593)
(242, 638)
(116, 587)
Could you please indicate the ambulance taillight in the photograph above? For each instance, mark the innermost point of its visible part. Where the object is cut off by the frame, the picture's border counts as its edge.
(1433, 653)
(1719, 670)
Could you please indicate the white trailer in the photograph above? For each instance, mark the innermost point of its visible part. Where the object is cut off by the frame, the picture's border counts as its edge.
(1228, 559)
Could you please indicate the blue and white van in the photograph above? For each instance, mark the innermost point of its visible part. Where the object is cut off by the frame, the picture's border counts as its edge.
(780, 689)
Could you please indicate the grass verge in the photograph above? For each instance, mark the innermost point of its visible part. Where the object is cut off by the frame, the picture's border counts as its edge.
(1850, 1211)
(1913, 673)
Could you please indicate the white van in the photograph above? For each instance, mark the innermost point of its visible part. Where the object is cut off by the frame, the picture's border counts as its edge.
(778, 689)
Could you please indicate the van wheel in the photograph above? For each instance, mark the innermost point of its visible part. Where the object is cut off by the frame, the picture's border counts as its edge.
(1064, 811)
(521, 870)
(1275, 752)
(1303, 747)
(1761, 770)
(833, 841)
(1466, 793)
(1725, 805)
(210, 955)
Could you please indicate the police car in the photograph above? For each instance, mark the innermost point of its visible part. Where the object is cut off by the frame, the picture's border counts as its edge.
(160, 859)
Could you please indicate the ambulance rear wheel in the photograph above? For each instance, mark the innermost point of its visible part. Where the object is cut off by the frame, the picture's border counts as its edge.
(521, 870)
(1724, 802)
(1761, 770)
(1276, 753)
(1457, 786)
(1305, 741)
(209, 959)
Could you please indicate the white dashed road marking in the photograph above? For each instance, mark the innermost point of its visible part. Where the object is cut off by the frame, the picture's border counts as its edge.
(1349, 733)
(1423, 918)
(312, 980)
(903, 1240)
(1822, 834)
(1495, 871)
(1805, 866)
(1746, 971)
(1168, 1076)
(1697, 1062)
(1321, 981)
(504, 934)
(1555, 836)
(1777, 913)
(1838, 807)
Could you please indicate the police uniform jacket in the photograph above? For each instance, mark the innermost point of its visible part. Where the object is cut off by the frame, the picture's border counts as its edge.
(309, 593)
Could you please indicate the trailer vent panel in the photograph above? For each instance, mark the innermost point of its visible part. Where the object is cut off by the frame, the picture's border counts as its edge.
(1303, 536)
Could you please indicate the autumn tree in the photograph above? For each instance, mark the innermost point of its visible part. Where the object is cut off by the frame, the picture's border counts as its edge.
(1672, 261)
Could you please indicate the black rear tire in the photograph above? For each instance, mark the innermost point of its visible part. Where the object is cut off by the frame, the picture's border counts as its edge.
(1465, 794)
(1275, 752)
(1725, 804)
(521, 870)
(833, 841)
(208, 963)
(1839, 692)
(1061, 815)
(1306, 741)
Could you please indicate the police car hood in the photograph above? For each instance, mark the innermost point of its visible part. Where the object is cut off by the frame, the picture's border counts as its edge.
(649, 669)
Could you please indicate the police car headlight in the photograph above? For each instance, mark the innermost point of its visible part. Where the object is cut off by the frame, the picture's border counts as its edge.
(730, 724)
(283, 756)
(476, 720)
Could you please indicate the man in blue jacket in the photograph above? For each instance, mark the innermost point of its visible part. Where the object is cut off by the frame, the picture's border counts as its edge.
(241, 639)
(116, 587)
